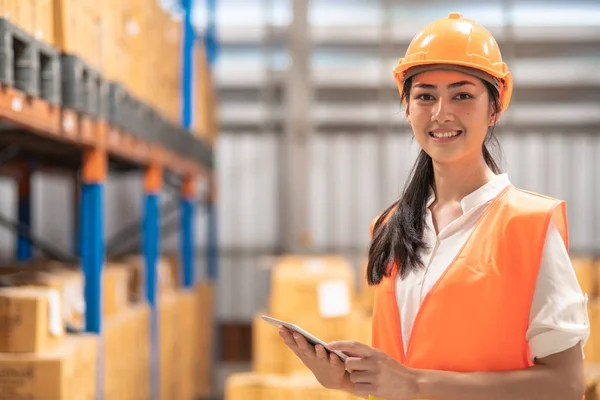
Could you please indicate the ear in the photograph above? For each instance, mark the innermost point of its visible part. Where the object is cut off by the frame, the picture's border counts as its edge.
(494, 118)
(407, 114)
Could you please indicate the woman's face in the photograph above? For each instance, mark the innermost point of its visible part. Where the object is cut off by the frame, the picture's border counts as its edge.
(450, 113)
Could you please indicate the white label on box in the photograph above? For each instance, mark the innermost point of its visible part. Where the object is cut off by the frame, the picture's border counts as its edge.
(54, 313)
(132, 28)
(17, 104)
(334, 299)
(68, 124)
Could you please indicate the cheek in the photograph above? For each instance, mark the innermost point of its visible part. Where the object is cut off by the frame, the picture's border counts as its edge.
(475, 120)
(420, 117)
(419, 123)
(477, 126)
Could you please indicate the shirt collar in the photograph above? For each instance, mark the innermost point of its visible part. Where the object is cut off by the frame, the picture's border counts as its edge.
(480, 196)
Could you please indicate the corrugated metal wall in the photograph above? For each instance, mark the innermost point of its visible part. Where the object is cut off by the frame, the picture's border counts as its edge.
(347, 191)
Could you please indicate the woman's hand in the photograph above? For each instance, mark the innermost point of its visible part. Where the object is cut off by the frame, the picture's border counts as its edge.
(374, 373)
(327, 368)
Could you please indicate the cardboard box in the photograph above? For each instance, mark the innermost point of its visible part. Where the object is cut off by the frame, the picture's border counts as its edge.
(126, 352)
(78, 29)
(585, 270)
(43, 21)
(205, 123)
(366, 294)
(31, 319)
(592, 347)
(313, 286)
(49, 375)
(172, 262)
(244, 386)
(116, 287)
(254, 386)
(8, 9)
(204, 340)
(168, 347)
(188, 323)
(24, 13)
(86, 365)
(116, 57)
(137, 283)
(268, 349)
(316, 293)
(67, 281)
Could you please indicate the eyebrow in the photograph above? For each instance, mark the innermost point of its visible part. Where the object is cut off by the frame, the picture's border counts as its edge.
(450, 86)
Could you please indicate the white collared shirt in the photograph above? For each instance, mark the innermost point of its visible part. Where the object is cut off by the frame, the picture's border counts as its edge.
(558, 318)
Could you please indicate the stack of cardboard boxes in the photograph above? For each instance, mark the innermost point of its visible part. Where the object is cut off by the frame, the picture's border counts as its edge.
(38, 359)
(35, 17)
(133, 42)
(205, 123)
(184, 330)
(318, 294)
(126, 328)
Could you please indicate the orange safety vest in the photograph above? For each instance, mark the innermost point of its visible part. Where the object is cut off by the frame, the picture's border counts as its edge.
(476, 316)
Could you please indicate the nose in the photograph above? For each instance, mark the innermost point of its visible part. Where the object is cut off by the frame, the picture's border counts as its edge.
(441, 111)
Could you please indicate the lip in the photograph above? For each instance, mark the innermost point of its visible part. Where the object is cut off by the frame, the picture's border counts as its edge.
(445, 130)
(445, 140)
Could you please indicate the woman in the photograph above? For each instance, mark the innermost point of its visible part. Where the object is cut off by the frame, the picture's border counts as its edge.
(476, 297)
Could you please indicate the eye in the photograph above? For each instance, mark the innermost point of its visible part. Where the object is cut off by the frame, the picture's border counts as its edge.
(464, 96)
(424, 96)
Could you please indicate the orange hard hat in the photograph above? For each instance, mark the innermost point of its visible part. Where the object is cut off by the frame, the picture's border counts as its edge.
(457, 43)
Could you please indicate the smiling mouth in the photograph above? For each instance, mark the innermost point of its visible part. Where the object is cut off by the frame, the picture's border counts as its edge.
(445, 135)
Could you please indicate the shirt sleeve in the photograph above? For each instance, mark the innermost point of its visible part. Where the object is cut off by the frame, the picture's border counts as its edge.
(558, 317)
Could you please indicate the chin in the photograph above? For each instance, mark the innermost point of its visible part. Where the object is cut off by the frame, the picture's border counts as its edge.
(447, 156)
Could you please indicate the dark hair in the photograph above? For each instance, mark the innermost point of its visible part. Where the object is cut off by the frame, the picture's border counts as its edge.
(400, 239)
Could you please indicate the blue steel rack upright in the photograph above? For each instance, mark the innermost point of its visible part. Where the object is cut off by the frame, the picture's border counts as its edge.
(187, 207)
(188, 104)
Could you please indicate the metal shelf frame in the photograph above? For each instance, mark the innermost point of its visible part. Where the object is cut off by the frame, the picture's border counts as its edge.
(38, 135)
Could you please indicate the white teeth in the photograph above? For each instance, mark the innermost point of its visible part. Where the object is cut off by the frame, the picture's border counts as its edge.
(445, 134)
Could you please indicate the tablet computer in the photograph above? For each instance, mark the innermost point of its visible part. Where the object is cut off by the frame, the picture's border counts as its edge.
(309, 337)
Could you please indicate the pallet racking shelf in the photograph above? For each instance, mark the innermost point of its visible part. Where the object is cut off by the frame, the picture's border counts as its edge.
(41, 135)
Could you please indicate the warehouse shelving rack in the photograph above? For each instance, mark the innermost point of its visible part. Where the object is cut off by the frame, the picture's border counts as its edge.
(39, 133)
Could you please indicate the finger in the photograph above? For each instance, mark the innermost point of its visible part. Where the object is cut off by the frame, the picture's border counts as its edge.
(288, 338)
(362, 377)
(351, 348)
(335, 361)
(354, 364)
(321, 353)
(303, 346)
(289, 341)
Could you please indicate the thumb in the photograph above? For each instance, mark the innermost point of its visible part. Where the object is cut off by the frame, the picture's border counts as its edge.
(352, 349)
